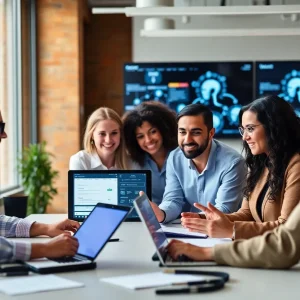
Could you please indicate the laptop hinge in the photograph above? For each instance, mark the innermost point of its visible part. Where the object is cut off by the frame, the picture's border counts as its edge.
(80, 257)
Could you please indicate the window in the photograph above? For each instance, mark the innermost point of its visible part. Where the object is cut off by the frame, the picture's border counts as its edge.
(10, 93)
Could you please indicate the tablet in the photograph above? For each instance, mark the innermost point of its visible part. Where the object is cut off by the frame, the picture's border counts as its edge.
(117, 187)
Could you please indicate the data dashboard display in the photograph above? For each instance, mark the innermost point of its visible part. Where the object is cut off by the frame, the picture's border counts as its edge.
(223, 86)
(118, 187)
(281, 78)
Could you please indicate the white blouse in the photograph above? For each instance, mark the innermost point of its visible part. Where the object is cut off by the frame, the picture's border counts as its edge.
(87, 161)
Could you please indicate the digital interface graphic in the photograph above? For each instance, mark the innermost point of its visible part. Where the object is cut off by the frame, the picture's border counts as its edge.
(281, 78)
(223, 86)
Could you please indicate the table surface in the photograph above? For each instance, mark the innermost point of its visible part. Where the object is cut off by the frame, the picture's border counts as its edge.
(132, 255)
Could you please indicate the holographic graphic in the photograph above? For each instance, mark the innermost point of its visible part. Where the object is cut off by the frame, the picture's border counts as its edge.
(211, 90)
(290, 87)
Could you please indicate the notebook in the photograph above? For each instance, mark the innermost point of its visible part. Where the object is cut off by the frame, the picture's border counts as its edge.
(92, 236)
(118, 187)
(159, 237)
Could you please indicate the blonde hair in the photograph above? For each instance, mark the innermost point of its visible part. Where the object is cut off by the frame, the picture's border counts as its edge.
(101, 114)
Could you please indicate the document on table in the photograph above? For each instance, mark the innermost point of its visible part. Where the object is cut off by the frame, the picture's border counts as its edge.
(36, 283)
(176, 230)
(149, 280)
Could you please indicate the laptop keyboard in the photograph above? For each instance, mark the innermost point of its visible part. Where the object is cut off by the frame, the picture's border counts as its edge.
(181, 258)
(65, 259)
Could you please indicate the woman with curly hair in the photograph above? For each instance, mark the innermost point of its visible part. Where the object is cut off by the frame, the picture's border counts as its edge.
(271, 138)
(150, 132)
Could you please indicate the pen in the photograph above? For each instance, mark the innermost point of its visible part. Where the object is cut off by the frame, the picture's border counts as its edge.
(205, 287)
(198, 282)
(114, 240)
(20, 273)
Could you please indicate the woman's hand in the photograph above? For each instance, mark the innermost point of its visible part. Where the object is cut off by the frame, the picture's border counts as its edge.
(216, 224)
(176, 248)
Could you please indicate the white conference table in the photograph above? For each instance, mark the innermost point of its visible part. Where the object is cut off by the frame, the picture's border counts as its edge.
(132, 255)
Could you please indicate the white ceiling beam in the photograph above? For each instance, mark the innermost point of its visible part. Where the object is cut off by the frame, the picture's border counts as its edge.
(247, 32)
(212, 10)
(108, 10)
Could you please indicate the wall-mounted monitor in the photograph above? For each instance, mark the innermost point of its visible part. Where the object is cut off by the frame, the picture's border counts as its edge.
(223, 86)
(281, 78)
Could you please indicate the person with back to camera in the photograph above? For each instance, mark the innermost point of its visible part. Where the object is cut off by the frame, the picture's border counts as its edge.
(104, 146)
(201, 169)
(271, 139)
(150, 133)
(62, 245)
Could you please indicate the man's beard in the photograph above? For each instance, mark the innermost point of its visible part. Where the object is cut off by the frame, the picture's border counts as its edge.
(198, 151)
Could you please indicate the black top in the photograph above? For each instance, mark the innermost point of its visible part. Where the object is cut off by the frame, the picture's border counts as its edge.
(261, 199)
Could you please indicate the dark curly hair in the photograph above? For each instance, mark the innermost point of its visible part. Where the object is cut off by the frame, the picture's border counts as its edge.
(282, 129)
(159, 116)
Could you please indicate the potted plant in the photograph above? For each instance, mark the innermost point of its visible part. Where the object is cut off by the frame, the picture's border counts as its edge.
(37, 177)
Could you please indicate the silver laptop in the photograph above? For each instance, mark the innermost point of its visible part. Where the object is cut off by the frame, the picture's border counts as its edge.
(159, 238)
(92, 236)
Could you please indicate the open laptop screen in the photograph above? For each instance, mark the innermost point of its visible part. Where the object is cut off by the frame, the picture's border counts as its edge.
(117, 187)
(148, 217)
(98, 228)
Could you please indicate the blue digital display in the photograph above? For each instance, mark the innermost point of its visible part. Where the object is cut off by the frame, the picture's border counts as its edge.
(106, 187)
(223, 86)
(280, 78)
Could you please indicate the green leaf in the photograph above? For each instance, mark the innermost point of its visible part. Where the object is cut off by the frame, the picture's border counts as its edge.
(38, 177)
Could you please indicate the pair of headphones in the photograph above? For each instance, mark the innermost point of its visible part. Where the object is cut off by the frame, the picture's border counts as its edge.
(206, 285)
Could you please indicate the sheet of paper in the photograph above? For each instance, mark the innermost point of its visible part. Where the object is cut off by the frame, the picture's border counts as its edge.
(178, 229)
(36, 283)
(209, 242)
(148, 280)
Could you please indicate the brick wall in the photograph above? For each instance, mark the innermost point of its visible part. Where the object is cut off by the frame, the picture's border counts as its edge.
(59, 85)
(80, 60)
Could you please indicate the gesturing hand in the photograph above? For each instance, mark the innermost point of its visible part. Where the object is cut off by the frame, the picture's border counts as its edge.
(215, 225)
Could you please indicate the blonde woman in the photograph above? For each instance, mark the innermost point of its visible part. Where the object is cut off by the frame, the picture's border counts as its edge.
(103, 143)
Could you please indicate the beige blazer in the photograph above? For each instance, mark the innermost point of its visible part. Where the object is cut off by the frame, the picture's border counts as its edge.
(276, 249)
(248, 224)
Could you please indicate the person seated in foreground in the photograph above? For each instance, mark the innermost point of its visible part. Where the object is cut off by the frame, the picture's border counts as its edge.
(275, 249)
(271, 135)
(62, 245)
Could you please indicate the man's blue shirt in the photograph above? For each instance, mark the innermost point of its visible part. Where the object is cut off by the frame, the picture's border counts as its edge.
(221, 182)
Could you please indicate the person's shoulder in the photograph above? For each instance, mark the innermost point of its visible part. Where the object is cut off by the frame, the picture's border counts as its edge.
(81, 155)
(225, 151)
(294, 162)
(175, 154)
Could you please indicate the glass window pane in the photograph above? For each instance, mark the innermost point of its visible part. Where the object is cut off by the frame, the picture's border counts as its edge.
(9, 99)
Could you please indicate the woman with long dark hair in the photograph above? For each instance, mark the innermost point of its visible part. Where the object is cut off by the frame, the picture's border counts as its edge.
(150, 132)
(271, 138)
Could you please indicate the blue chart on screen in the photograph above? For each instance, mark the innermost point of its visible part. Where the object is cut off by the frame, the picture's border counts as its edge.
(223, 86)
(280, 78)
(87, 188)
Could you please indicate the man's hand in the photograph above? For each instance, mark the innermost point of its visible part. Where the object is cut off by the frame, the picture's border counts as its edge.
(215, 225)
(160, 215)
(54, 229)
(61, 227)
(62, 245)
(176, 248)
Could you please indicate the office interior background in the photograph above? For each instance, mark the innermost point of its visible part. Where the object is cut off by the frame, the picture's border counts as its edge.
(59, 62)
